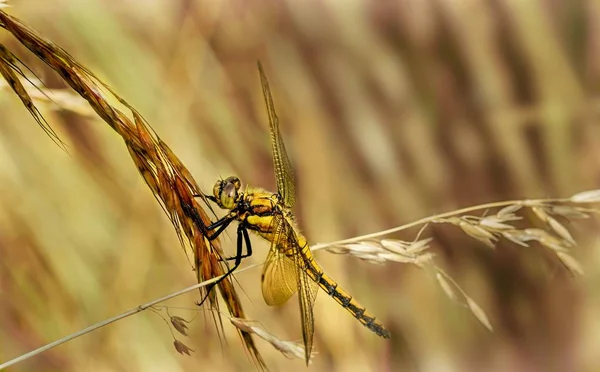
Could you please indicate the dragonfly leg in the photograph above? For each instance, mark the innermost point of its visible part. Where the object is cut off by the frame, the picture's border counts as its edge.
(221, 224)
(242, 237)
(209, 197)
(248, 247)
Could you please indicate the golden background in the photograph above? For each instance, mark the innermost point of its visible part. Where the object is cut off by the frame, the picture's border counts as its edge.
(390, 110)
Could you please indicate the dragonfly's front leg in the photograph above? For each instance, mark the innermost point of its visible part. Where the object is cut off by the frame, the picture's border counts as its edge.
(242, 237)
(246, 236)
(221, 225)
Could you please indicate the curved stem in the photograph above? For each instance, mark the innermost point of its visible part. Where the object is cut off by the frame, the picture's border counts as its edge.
(113, 319)
(425, 220)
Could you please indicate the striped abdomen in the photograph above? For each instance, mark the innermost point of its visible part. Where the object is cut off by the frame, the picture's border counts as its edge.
(342, 297)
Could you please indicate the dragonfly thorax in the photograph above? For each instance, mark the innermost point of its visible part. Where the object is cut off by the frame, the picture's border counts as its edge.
(226, 192)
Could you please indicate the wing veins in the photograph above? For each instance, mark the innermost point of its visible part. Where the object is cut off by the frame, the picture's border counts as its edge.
(279, 279)
(284, 173)
(285, 273)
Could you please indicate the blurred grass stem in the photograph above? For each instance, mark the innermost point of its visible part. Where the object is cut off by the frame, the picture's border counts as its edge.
(108, 321)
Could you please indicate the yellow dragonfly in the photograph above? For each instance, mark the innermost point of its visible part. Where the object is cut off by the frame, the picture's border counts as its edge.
(290, 266)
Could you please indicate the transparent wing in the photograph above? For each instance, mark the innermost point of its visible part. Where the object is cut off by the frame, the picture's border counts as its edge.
(285, 273)
(279, 276)
(307, 294)
(284, 173)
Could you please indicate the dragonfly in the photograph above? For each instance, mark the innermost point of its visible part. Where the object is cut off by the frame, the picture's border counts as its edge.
(290, 266)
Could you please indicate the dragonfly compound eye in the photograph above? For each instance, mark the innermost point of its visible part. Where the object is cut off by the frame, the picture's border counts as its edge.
(228, 192)
(217, 189)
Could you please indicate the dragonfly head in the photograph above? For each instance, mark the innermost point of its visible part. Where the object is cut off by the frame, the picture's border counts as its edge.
(226, 192)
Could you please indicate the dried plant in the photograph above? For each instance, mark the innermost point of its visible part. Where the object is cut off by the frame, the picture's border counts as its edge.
(289, 349)
(488, 229)
(174, 188)
(414, 253)
(169, 180)
(182, 348)
(54, 99)
(179, 324)
(381, 251)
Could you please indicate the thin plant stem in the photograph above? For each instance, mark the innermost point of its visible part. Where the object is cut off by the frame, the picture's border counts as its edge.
(428, 219)
(313, 248)
(114, 319)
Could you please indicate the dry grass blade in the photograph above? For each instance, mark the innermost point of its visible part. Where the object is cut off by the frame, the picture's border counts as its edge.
(561, 231)
(472, 227)
(516, 236)
(379, 252)
(509, 210)
(182, 348)
(446, 287)
(414, 253)
(592, 196)
(457, 294)
(571, 212)
(546, 239)
(171, 183)
(542, 212)
(10, 72)
(571, 263)
(479, 313)
(54, 99)
(556, 236)
(478, 233)
(487, 229)
(179, 324)
(289, 349)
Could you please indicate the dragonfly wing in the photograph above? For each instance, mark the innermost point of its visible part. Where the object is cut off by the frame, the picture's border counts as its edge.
(279, 276)
(285, 273)
(286, 185)
(307, 294)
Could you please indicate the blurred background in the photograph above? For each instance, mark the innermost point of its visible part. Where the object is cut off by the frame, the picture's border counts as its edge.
(391, 111)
